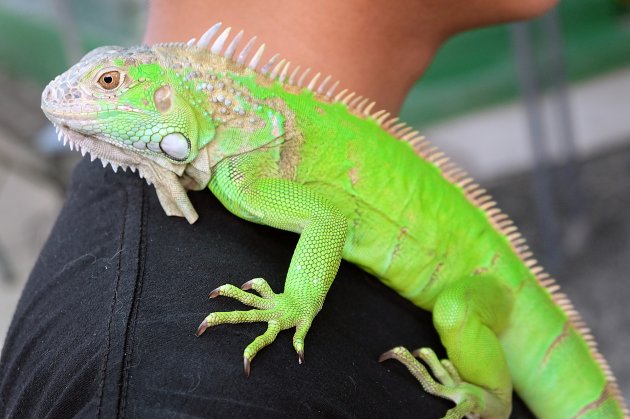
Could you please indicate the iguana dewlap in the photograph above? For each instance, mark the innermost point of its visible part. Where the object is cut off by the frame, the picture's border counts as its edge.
(281, 148)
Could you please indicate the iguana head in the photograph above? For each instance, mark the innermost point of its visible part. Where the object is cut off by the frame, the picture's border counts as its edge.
(128, 108)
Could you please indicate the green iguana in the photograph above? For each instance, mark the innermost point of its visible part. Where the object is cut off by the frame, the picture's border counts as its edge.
(356, 184)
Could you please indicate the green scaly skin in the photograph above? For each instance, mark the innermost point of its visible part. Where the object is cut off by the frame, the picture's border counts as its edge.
(355, 186)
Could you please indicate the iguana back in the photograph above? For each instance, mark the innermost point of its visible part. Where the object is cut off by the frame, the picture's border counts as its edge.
(419, 225)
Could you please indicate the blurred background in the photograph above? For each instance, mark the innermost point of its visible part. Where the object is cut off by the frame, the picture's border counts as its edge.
(538, 112)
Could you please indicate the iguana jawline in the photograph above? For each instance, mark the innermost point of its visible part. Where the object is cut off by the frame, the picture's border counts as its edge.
(170, 191)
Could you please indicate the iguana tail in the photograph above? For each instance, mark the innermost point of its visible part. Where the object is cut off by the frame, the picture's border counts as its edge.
(555, 366)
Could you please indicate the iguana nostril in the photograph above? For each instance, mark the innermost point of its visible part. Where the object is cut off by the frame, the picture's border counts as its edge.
(47, 95)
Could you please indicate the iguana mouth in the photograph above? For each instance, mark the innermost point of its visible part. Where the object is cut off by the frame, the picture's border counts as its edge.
(60, 115)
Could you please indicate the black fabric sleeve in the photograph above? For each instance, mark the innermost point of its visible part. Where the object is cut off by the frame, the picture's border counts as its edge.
(106, 324)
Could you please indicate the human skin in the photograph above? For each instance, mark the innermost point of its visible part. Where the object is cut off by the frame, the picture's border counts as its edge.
(377, 48)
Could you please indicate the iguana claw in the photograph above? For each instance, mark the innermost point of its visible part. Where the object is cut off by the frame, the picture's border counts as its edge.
(247, 285)
(246, 366)
(202, 328)
(214, 293)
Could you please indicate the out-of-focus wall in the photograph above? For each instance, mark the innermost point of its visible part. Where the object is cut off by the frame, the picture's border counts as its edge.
(477, 69)
(40, 38)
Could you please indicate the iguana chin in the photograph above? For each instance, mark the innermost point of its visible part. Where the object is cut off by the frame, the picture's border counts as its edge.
(355, 184)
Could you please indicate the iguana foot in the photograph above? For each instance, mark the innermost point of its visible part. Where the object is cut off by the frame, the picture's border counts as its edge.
(280, 311)
(472, 401)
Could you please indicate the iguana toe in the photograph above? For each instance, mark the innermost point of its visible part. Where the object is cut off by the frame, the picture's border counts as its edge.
(472, 401)
(446, 376)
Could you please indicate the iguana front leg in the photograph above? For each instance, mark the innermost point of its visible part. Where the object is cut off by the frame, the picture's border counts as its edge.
(287, 205)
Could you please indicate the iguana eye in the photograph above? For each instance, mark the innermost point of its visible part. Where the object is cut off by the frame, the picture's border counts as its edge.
(109, 80)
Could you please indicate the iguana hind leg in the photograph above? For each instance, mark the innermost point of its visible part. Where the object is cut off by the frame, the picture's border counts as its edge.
(467, 315)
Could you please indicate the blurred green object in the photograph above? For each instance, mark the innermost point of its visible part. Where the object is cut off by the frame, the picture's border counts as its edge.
(29, 48)
(32, 45)
(623, 5)
(476, 69)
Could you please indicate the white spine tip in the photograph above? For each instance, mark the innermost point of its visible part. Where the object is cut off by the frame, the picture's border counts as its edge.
(242, 57)
(265, 68)
(218, 44)
(311, 85)
(229, 52)
(323, 84)
(285, 70)
(276, 70)
(293, 74)
(256, 59)
(331, 91)
(205, 39)
(340, 95)
(300, 82)
(347, 99)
